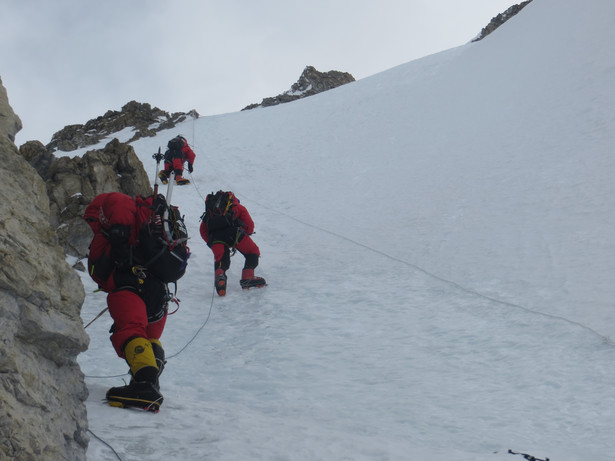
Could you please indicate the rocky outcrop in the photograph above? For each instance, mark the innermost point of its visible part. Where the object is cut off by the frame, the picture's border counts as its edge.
(10, 123)
(310, 82)
(42, 389)
(142, 119)
(38, 157)
(72, 183)
(501, 19)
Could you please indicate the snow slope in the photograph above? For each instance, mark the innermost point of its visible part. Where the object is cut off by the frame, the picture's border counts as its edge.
(439, 245)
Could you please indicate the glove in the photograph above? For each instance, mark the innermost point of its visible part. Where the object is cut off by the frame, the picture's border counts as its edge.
(118, 235)
(190, 169)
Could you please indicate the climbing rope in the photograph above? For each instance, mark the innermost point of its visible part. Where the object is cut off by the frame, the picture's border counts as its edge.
(452, 283)
(528, 457)
(97, 317)
(211, 305)
(106, 443)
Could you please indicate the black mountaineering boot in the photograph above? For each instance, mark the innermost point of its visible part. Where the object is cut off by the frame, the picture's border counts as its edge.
(140, 394)
(142, 391)
(249, 280)
(220, 282)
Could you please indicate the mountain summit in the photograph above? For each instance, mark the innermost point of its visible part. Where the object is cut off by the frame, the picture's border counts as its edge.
(310, 82)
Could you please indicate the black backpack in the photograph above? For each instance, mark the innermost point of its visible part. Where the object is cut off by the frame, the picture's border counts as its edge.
(163, 248)
(176, 144)
(218, 211)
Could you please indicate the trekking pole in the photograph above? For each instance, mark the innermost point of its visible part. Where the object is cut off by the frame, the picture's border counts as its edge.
(157, 156)
(170, 187)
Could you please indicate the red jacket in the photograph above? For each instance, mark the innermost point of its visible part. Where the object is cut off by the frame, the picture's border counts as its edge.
(110, 211)
(189, 154)
(183, 154)
(241, 217)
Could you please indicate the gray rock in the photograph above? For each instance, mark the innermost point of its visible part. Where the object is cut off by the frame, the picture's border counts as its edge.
(10, 123)
(42, 389)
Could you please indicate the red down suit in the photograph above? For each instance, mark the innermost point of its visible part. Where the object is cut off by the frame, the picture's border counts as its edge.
(174, 159)
(137, 301)
(221, 240)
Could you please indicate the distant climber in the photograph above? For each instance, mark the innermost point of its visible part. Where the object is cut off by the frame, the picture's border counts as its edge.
(178, 152)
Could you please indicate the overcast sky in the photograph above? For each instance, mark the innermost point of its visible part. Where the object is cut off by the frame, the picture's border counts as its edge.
(67, 61)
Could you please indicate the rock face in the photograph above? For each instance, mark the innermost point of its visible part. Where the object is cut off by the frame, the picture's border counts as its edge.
(145, 120)
(310, 82)
(42, 389)
(72, 183)
(10, 124)
(501, 19)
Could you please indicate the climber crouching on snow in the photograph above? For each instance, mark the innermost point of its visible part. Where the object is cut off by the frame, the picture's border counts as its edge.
(226, 226)
(137, 298)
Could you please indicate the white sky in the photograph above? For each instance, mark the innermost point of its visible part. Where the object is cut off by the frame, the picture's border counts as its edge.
(68, 61)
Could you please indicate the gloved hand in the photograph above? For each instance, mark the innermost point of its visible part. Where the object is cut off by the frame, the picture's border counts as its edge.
(190, 169)
(118, 235)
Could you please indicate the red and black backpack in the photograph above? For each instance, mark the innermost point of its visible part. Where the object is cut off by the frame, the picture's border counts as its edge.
(163, 239)
(219, 211)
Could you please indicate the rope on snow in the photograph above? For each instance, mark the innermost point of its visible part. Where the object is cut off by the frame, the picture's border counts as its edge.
(528, 457)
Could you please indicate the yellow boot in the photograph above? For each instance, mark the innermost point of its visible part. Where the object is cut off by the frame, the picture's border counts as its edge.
(142, 391)
(140, 356)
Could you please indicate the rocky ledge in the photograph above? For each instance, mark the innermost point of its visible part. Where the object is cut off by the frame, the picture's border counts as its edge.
(142, 119)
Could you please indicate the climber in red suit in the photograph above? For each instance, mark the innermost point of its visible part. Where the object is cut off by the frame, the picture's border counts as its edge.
(226, 225)
(178, 152)
(137, 302)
